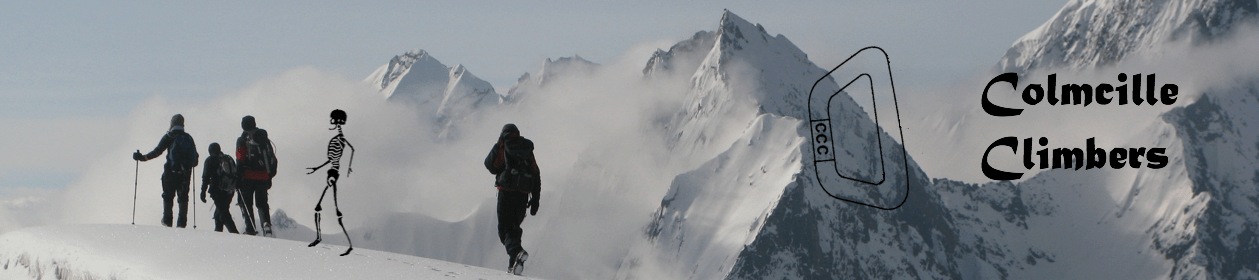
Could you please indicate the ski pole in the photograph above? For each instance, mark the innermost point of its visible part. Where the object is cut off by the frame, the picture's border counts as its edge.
(134, 191)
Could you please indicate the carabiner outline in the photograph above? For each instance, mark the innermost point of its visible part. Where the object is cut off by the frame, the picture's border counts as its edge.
(900, 129)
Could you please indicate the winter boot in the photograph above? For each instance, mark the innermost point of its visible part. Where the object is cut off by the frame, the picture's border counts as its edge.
(167, 215)
(519, 264)
(266, 230)
(511, 263)
(183, 215)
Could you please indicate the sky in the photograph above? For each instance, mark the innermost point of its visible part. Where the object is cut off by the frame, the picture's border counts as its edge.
(78, 70)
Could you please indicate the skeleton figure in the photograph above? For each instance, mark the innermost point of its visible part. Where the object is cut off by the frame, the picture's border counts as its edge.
(335, 148)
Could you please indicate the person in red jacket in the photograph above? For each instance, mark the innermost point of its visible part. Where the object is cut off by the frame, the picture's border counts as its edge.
(255, 157)
(519, 187)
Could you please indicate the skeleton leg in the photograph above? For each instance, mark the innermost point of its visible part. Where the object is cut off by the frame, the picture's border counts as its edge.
(332, 182)
(339, 221)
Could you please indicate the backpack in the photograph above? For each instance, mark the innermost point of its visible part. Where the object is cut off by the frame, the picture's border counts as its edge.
(182, 155)
(227, 174)
(260, 152)
(517, 171)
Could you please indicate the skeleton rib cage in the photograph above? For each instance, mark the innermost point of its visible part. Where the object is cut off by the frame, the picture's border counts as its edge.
(336, 147)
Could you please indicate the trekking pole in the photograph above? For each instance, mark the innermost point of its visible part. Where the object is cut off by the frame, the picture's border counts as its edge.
(134, 191)
(192, 184)
(244, 210)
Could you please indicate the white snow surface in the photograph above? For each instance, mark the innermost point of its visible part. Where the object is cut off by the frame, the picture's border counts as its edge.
(94, 251)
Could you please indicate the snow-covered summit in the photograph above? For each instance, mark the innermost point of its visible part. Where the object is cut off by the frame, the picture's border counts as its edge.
(690, 51)
(551, 69)
(737, 66)
(1087, 33)
(387, 77)
(744, 114)
(448, 93)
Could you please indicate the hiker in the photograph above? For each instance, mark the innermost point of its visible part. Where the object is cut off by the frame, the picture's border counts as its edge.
(255, 156)
(219, 177)
(177, 172)
(516, 178)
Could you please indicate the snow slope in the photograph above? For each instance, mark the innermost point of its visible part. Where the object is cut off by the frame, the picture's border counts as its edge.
(149, 252)
(711, 212)
(471, 240)
(1217, 234)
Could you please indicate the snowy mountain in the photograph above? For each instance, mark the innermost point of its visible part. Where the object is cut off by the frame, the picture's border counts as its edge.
(688, 54)
(1217, 233)
(448, 93)
(151, 252)
(756, 215)
(1198, 217)
(551, 70)
(1089, 33)
(1192, 219)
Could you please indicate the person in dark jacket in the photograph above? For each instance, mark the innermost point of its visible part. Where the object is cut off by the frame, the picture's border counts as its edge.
(217, 185)
(175, 176)
(256, 175)
(519, 187)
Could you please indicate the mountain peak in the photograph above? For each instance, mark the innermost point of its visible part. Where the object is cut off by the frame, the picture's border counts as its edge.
(551, 68)
(449, 92)
(728, 18)
(416, 53)
(385, 78)
(685, 55)
(732, 30)
(1098, 33)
